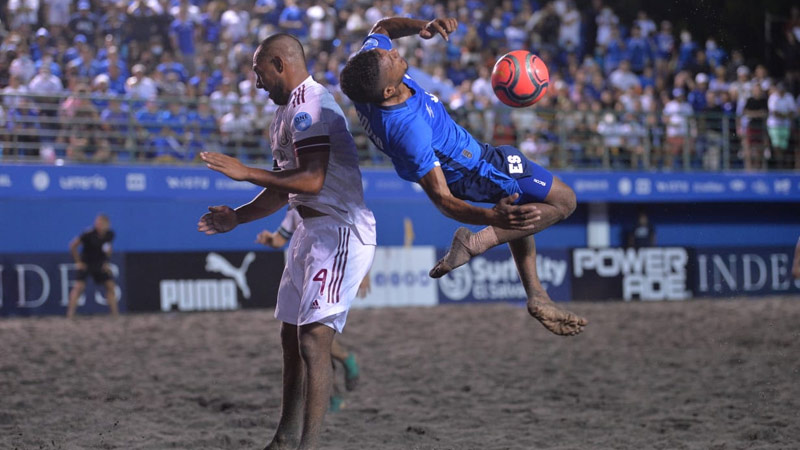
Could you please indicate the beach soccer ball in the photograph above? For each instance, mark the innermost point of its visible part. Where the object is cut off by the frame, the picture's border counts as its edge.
(520, 78)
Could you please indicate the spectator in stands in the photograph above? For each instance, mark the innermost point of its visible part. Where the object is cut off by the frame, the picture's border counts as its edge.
(236, 129)
(23, 123)
(222, 100)
(676, 116)
(22, 65)
(83, 22)
(14, 92)
(182, 32)
(140, 86)
(781, 107)
(235, 21)
(623, 79)
(755, 110)
(57, 14)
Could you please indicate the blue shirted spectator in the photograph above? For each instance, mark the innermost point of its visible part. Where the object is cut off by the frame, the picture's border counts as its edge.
(638, 50)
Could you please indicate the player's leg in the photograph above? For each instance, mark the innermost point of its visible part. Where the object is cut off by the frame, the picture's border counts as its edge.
(348, 361)
(74, 294)
(111, 294)
(315, 350)
(540, 306)
(287, 436)
(557, 206)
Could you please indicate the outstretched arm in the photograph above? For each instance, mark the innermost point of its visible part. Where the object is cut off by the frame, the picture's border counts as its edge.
(504, 215)
(397, 27)
(221, 219)
(307, 178)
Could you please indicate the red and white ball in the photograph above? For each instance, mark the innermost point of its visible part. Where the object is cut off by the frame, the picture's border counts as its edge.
(520, 78)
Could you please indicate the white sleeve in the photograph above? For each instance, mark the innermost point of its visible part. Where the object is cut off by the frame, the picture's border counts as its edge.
(310, 132)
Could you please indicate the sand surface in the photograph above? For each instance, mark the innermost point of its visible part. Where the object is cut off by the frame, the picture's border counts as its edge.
(676, 375)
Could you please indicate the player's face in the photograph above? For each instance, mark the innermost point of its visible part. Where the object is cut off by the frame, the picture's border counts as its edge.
(268, 79)
(393, 66)
(100, 224)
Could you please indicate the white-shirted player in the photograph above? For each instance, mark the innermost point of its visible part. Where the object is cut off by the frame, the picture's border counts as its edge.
(333, 246)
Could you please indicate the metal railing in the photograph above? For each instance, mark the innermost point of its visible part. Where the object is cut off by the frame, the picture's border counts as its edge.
(103, 129)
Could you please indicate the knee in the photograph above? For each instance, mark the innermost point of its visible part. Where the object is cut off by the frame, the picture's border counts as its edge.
(312, 346)
(567, 202)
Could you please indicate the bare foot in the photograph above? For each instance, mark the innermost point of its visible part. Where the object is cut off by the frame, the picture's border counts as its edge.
(555, 319)
(281, 444)
(458, 255)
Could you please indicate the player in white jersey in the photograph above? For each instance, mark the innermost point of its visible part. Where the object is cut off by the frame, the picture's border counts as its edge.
(333, 246)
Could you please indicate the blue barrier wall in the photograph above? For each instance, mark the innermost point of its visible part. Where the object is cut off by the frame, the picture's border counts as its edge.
(156, 208)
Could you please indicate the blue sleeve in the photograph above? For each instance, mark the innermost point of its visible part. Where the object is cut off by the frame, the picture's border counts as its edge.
(376, 40)
(411, 150)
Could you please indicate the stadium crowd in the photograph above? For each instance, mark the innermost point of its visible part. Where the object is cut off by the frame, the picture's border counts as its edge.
(159, 80)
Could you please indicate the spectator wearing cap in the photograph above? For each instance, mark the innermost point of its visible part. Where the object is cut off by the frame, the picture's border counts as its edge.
(139, 85)
(41, 45)
(697, 97)
(74, 52)
(169, 64)
(781, 107)
(100, 91)
(84, 21)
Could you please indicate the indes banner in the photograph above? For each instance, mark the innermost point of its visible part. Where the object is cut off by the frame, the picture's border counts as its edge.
(39, 284)
(745, 271)
(493, 277)
(658, 273)
(203, 281)
(399, 277)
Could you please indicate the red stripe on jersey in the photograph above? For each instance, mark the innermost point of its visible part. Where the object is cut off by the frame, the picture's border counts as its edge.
(344, 263)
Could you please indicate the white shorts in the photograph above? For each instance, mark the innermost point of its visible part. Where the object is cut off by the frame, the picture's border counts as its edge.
(325, 264)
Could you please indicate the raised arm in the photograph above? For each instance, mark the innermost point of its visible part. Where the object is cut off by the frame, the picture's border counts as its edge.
(307, 178)
(397, 27)
(504, 215)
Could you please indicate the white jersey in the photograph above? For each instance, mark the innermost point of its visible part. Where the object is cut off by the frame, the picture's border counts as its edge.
(312, 121)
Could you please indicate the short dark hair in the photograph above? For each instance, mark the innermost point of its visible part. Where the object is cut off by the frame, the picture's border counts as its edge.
(360, 78)
(289, 43)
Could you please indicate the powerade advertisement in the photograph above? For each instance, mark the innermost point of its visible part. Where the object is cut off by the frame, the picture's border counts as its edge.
(39, 284)
(657, 273)
(492, 277)
(203, 281)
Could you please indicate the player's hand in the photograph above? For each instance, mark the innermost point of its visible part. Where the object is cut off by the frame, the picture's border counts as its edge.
(516, 217)
(364, 287)
(81, 265)
(266, 238)
(218, 219)
(226, 165)
(439, 26)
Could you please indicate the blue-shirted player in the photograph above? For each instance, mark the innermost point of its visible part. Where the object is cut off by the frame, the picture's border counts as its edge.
(426, 146)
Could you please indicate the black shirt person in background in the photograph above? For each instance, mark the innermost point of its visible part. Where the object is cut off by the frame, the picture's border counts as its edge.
(643, 234)
(93, 260)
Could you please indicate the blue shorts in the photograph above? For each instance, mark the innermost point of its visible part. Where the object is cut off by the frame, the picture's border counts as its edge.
(504, 171)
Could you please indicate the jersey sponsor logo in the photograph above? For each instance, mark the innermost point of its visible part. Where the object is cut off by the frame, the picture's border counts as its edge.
(466, 154)
(302, 121)
(539, 182)
(315, 304)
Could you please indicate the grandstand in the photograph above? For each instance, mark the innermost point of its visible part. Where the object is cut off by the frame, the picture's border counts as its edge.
(154, 82)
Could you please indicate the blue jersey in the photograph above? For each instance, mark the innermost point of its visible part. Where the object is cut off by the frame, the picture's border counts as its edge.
(419, 135)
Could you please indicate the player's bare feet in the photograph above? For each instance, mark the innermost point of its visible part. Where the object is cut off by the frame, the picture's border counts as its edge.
(458, 255)
(555, 319)
(281, 444)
